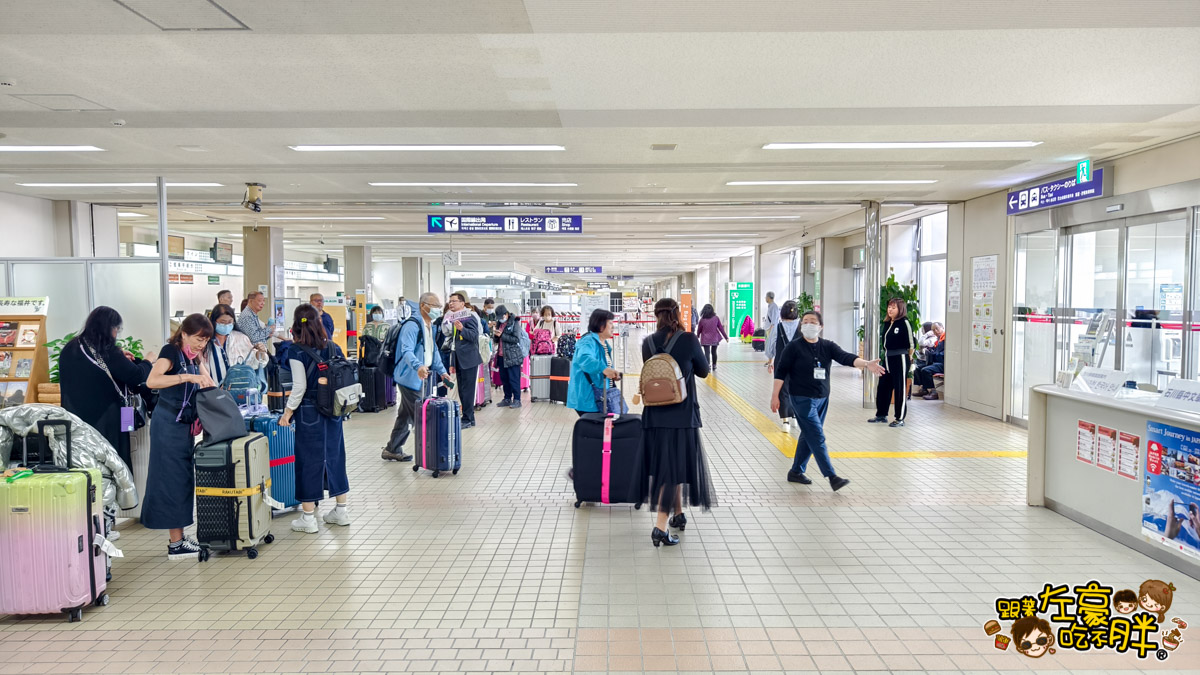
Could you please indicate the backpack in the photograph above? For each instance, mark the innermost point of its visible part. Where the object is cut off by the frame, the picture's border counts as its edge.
(566, 346)
(339, 394)
(239, 381)
(661, 381)
(543, 341)
(371, 348)
(523, 342)
(389, 353)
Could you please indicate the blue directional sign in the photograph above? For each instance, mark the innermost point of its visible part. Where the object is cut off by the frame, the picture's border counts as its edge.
(505, 224)
(574, 270)
(1056, 193)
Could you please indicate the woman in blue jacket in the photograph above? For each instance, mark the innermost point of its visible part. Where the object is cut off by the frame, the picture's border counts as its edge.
(591, 364)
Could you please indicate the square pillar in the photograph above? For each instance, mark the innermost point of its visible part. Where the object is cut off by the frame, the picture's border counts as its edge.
(262, 259)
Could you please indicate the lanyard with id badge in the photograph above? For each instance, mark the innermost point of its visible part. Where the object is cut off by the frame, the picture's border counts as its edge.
(818, 370)
(131, 403)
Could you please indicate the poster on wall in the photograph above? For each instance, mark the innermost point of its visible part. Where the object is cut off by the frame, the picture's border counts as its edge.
(1129, 447)
(685, 308)
(1085, 442)
(981, 321)
(1171, 493)
(1106, 448)
(983, 272)
(954, 291)
(741, 305)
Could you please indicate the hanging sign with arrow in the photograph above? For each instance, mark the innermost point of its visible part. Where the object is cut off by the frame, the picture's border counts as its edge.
(1057, 193)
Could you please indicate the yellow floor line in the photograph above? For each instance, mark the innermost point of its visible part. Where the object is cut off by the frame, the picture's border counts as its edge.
(786, 443)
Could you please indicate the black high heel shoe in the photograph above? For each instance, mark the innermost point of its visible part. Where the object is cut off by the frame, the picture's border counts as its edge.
(679, 522)
(660, 537)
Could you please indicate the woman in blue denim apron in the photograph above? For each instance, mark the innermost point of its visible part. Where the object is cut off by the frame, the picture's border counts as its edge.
(320, 446)
(179, 372)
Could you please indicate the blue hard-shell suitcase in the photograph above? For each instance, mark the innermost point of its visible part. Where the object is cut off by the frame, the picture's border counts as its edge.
(439, 436)
(282, 442)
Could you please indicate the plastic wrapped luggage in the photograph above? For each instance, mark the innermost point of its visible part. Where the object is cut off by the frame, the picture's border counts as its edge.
(483, 389)
(53, 554)
(608, 459)
(759, 340)
(539, 378)
(374, 386)
(566, 345)
(439, 436)
(233, 503)
(279, 385)
(282, 444)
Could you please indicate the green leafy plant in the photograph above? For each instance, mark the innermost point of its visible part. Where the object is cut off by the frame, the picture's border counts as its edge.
(133, 346)
(805, 303)
(54, 350)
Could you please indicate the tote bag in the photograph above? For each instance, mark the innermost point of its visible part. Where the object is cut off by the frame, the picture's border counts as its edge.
(219, 415)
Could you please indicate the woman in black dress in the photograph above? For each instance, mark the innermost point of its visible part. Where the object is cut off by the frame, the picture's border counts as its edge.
(95, 376)
(672, 432)
(178, 373)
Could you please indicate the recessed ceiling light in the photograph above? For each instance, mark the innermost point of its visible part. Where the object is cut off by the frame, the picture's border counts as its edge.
(727, 235)
(740, 217)
(329, 218)
(378, 236)
(830, 182)
(50, 148)
(908, 145)
(88, 185)
(121, 214)
(427, 148)
(473, 184)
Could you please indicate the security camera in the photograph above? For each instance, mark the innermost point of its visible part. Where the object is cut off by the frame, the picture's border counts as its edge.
(321, 242)
(118, 122)
(253, 197)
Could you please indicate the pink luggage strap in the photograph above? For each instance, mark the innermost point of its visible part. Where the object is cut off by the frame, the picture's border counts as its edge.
(424, 435)
(606, 455)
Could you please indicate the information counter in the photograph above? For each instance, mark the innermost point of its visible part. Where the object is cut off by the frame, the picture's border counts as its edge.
(1123, 467)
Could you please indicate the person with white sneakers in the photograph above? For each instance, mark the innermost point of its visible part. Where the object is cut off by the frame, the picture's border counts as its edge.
(789, 323)
(320, 445)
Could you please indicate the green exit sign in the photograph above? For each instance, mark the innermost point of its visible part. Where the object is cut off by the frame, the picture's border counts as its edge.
(1083, 171)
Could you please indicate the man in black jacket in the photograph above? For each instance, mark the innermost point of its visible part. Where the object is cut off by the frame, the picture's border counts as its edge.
(461, 329)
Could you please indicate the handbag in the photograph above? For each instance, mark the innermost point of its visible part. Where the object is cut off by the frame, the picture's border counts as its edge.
(608, 399)
(219, 415)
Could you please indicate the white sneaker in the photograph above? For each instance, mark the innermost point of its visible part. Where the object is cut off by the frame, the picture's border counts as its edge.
(338, 517)
(305, 523)
(787, 427)
(184, 549)
(112, 535)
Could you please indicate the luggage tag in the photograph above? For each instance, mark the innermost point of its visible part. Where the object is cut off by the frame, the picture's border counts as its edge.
(270, 501)
(818, 372)
(107, 546)
(127, 419)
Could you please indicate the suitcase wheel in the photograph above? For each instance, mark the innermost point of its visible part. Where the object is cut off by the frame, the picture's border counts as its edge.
(437, 474)
(252, 553)
(456, 472)
(637, 506)
(578, 504)
(102, 600)
(416, 468)
(270, 538)
(74, 615)
(205, 554)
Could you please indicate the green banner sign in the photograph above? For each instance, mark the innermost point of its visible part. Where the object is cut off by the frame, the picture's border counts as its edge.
(214, 280)
(741, 305)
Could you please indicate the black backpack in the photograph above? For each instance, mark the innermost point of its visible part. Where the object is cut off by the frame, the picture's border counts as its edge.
(389, 354)
(340, 393)
(372, 349)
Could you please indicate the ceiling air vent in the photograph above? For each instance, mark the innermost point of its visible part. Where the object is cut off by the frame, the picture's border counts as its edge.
(184, 14)
(663, 146)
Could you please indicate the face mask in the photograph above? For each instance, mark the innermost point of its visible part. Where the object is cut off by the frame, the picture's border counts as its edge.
(810, 331)
(187, 351)
(434, 313)
(224, 328)
(377, 317)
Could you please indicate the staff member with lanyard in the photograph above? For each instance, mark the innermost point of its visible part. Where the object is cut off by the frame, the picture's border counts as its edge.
(804, 365)
(898, 344)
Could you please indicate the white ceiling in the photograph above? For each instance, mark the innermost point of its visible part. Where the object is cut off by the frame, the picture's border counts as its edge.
(605, 79)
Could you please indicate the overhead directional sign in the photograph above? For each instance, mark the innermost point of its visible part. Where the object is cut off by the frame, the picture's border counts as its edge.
(1056, 193)
(574, 270)
(620, 277)
(505, 224)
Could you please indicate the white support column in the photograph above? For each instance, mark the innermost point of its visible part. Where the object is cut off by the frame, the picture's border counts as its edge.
(876, 235)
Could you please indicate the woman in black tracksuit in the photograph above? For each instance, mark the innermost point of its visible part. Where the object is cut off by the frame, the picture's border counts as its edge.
(898, 344)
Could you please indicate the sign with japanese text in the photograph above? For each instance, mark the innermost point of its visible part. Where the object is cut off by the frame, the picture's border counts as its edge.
(1181, 394)
(24, 306)
(741, 308)
(1100, 381)
(505, 224)
(1172, 488)
(575, 270)
(1056, 193)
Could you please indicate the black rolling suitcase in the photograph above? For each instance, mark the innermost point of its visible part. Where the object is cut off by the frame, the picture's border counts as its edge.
(560, 378)
(610, 465)
(374, 386)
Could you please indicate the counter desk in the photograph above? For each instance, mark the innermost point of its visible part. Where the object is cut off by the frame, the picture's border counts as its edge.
(1119, 466)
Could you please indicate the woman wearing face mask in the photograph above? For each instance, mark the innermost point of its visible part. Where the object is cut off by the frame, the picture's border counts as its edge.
(549, 322)
(789, 323)
(229, 347)
(898, 343)
(510, 355)
(178, 373)
(804, 367)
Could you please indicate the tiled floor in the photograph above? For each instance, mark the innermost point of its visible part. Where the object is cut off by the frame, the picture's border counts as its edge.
(493, 570)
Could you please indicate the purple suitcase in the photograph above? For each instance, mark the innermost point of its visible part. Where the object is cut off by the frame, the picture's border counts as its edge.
(51, 533)
(390, 385)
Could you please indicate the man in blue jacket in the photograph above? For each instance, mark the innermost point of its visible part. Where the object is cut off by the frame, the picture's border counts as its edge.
(416, 359)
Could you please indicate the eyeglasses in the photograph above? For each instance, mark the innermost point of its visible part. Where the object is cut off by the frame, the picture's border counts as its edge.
(1041, 642)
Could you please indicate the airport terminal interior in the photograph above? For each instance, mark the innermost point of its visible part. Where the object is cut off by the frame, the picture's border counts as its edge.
(964, 237)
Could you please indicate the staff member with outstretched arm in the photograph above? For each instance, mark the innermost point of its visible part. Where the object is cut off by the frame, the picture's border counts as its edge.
(804, 365)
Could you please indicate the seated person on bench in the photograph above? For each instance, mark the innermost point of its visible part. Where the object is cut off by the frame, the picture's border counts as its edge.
(935, 364)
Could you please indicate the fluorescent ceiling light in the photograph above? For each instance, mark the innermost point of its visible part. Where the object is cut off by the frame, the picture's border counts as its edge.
(727, 235)
(473, 184)
(910, 145)
(88, 185)
(329, 218)
(427, 148)
(830, 182)
(50, 148)
(131, 215)
(741, 217)
(377, 236)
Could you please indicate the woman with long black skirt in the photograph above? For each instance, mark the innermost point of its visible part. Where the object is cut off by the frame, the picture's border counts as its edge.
(678, 470)
(898, 343)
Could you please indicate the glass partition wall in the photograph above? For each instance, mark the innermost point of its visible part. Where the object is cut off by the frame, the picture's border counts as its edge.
(1132, 269)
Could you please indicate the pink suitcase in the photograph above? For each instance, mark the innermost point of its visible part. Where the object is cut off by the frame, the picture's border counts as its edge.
(483, 388)
(52, 546)
(525, 379)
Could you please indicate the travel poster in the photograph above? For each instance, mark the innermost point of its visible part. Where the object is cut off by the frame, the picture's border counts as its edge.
(1171, 493)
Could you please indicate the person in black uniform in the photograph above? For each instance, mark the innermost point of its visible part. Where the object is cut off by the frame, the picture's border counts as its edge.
(95, 376)
(898, 344)
(804, 367)
(178, 374)
(671, 433)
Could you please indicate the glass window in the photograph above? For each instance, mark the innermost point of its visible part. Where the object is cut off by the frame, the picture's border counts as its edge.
(931, 287)
(3, 280)
(933, 235)
(1033, 329)
(1154, 279)
(133, 290)
(66, 286)
(1094, 281)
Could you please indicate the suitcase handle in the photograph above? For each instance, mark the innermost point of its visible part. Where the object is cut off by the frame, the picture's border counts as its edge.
(52, 465)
